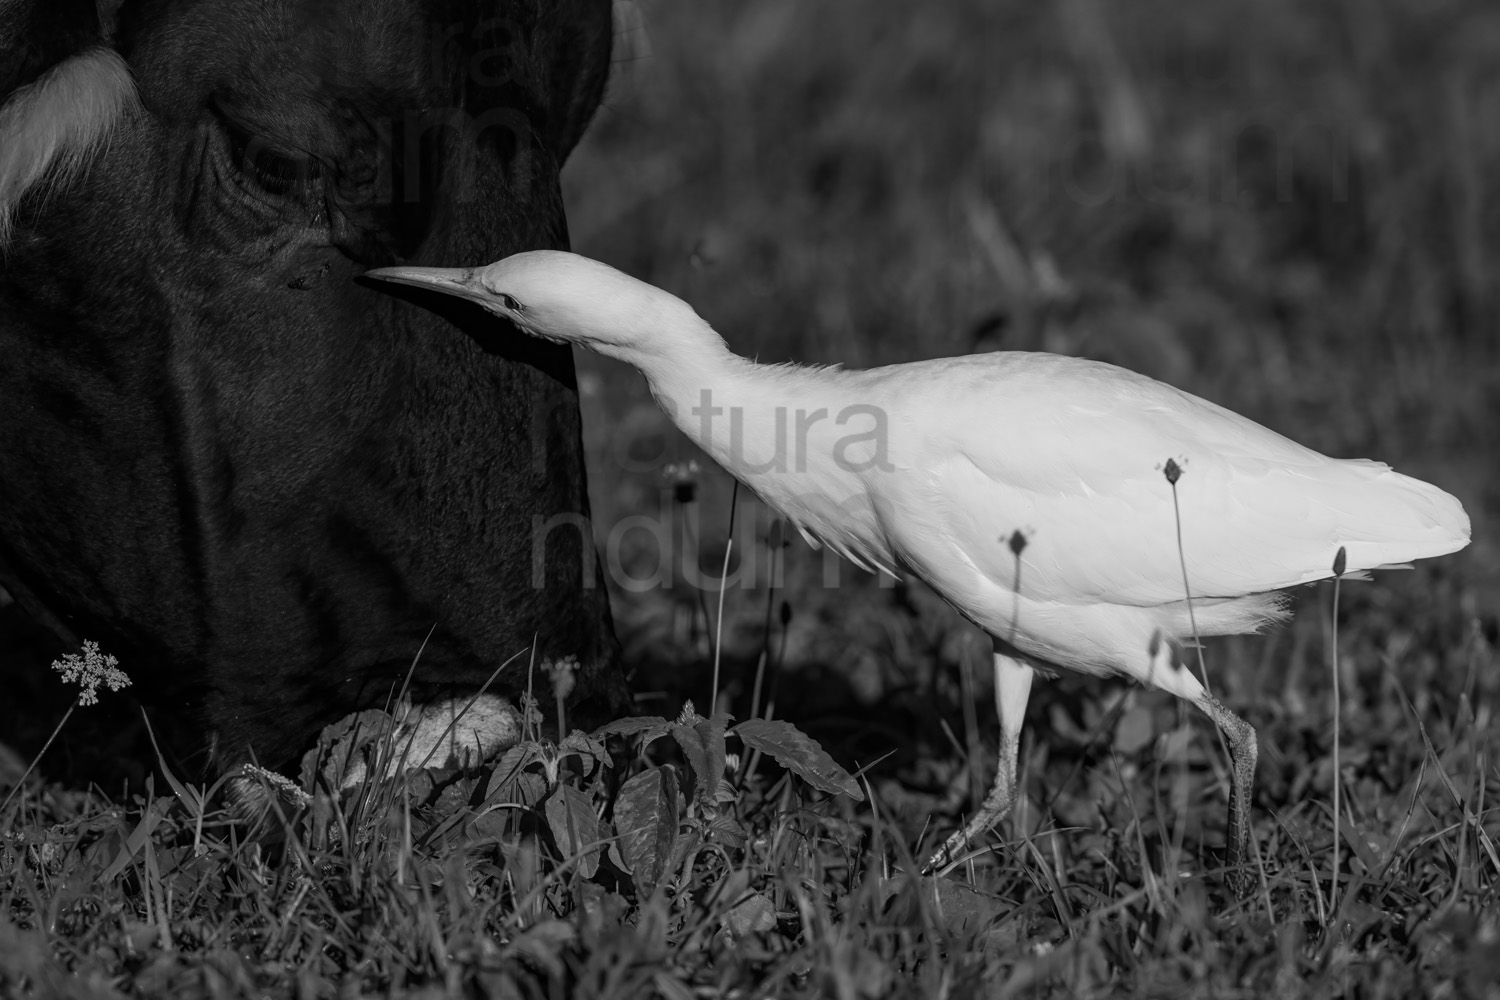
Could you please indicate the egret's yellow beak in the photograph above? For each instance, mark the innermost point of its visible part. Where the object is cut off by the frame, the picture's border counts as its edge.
(459, 281)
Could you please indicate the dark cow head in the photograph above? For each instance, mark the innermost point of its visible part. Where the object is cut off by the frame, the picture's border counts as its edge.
(260, 483)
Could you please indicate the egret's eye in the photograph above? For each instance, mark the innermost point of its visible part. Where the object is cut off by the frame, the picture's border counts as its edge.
(509, 302)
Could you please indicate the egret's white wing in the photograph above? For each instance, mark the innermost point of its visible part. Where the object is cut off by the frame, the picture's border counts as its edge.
(1071, 453)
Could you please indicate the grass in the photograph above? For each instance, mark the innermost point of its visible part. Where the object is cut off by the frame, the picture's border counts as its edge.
(1284, 207)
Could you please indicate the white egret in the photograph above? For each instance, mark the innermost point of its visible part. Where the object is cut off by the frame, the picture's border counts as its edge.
(1030, 490)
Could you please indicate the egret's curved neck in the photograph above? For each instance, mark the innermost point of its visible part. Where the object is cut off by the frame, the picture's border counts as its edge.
(680, 354)
(695, 378)
(755, 420)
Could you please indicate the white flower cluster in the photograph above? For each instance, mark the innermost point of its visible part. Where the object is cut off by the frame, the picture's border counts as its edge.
(89, 671)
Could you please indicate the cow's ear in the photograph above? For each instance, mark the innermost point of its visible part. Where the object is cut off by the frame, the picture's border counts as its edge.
(64, 95)
(36, 35)
(581, 37)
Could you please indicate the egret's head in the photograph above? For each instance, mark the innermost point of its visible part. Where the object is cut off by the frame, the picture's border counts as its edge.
(560, 297)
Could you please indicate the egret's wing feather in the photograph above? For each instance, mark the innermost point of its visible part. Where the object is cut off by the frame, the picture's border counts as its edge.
(1071, 453)
(870, 558)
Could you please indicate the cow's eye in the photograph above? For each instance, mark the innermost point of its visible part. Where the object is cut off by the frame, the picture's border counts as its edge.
(279, 174)
(271, 169)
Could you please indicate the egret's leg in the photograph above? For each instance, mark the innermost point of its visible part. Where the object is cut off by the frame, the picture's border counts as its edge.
(1240, 736)
(1012, 690)
(1169, 675)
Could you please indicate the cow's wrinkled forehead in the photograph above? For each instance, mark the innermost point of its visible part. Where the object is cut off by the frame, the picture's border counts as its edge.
(336, 83)
(301, 70)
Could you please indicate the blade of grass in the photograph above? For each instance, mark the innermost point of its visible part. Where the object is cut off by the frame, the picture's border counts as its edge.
(734, 502)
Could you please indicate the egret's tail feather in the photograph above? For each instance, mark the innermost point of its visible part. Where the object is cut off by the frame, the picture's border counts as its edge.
(1227, 616)
(1398, 519)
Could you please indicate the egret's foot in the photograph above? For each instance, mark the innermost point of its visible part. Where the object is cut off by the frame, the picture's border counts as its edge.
(954, 847)
(951, 850)
(1012, 690)
(1240, 880)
